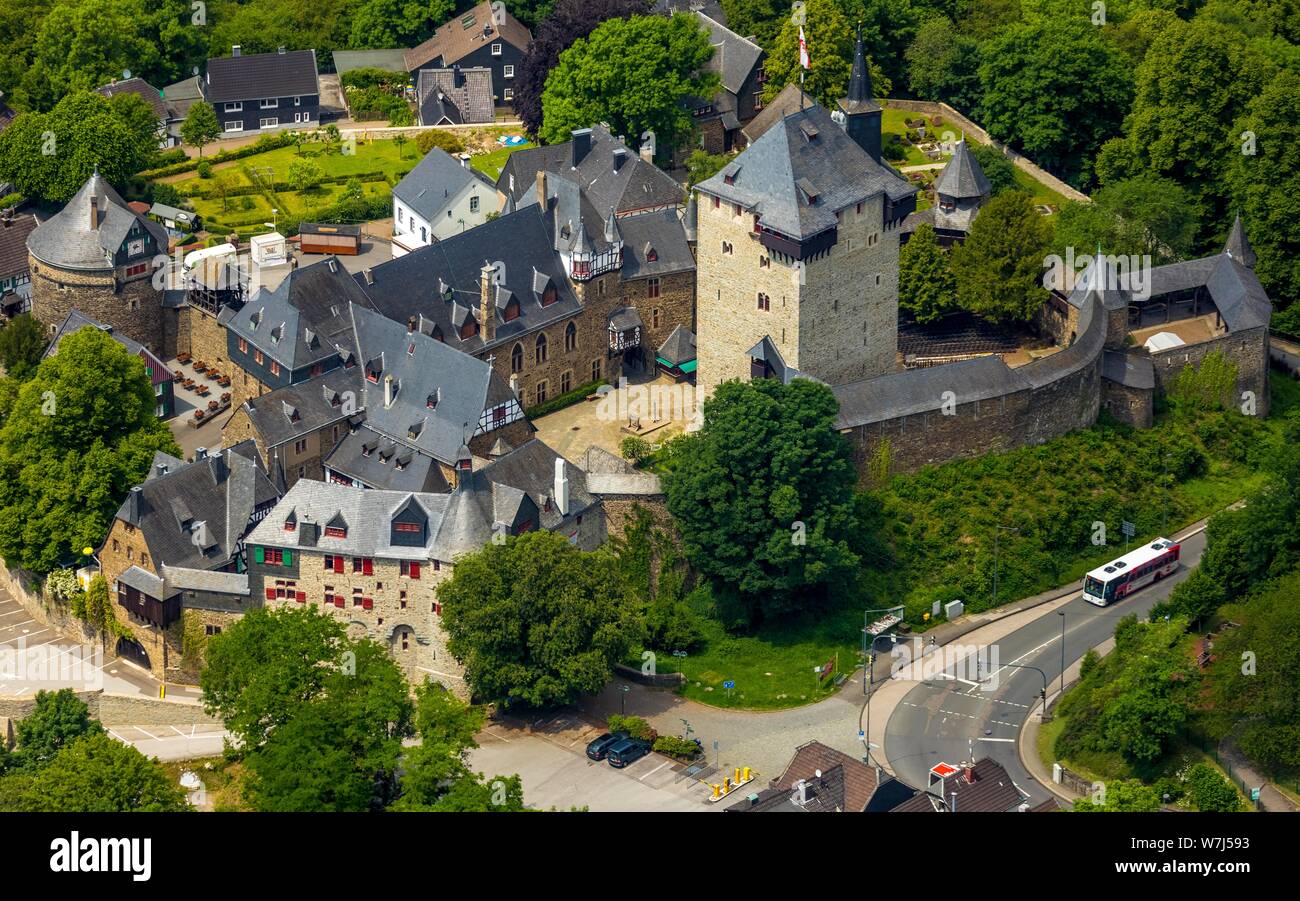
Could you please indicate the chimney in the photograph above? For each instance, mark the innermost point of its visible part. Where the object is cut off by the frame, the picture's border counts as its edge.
(648, 148)
(388, 390)
(464, 468)
(541, 189)
(620, 157)
(160, 469)
(581, 145)
(200, 453)
(280, 50)
(561, 487)
(487, 320)
(219, 466)
(464, 160)
(457, 76)
(410, 325)
(134, 502)
(801, 788)
(969, 774)
(234, 50)
(952, 808)
(308, 533)
(94, 212)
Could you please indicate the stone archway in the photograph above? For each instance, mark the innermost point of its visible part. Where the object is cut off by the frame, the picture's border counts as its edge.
(129, 649)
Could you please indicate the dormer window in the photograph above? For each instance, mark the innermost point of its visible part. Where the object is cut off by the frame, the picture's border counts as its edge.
(511, 312)
(432, 400)
(809, 132)
(290, 525)
(335, 532)
(809, 191)
(549, 296)
(468, 330)
(436, 334)
(729, 174)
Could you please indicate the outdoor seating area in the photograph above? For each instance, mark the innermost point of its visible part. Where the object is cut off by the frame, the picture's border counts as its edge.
(199, 389)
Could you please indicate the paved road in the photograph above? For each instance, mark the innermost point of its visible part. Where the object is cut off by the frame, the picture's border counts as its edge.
(953, 719)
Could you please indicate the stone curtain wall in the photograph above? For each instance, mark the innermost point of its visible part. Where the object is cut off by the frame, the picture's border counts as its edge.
(120, 710)
(133, 309)
(960, 123)
(1249, 350)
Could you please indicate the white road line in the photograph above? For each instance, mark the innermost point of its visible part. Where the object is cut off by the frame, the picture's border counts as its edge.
(23, 623)
(12, 612)
(655, 770)
(1012, 740)
(34, 634)
(118, 737)
(178, 732)
(146, 732)
(495, 735)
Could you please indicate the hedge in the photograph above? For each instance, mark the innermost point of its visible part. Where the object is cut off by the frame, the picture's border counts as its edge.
(564, 400)
(261, 145)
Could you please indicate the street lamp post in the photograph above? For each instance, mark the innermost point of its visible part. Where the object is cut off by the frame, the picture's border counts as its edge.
(622, 699)
(997, 531)
(1021, 666)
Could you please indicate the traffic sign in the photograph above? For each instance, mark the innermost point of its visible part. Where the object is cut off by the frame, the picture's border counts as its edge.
(1128, 528)
(729, 684)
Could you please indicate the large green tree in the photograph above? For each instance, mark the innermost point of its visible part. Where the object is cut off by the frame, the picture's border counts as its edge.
(200, 127)
(1055, 90)
(50, 155)
(1147, 214)
(81, 432)
(22, 343)
(99, 774)
(999, 267)
(632, 74)
(943, 64)
(397, 23)
(926, 286)
(763, 498)
(830, 54)
(57, 719)
(536, 621)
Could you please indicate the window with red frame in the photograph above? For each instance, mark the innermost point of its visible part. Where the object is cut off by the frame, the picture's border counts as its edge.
(243, 346)
(335, 532)
(407, 526)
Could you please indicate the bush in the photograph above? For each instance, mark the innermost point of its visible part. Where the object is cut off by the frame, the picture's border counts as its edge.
(673, 746)
(892, 148)
(567, 399)
(261, 145)
(634, 726)
(634, 449)
(372, 77)
(1211, 792)
(447, 141)
(1168, 789)
(204, 169)
(9, 200)
(671, 625)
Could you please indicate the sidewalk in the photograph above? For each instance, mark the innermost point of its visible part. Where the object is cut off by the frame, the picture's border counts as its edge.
(1270, 798)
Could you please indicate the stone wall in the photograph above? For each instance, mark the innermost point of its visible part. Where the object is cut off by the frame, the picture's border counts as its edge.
(121, 710)
(957, 123)
(1248, 349)
(620, 510)
(674, 306)
(132, 308)
(1131, 406)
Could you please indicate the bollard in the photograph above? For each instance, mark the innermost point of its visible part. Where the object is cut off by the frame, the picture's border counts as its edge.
(747, 776)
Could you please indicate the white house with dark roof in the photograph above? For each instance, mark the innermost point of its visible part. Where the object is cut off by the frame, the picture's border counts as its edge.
(263, 91)
(153, 98)
(442, 196)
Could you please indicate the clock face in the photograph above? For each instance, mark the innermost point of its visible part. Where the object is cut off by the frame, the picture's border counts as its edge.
(135, 248)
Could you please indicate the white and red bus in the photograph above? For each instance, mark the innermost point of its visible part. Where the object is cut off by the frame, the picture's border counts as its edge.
(1136, 569)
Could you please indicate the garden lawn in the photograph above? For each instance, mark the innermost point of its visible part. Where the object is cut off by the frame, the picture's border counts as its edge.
(491, 163)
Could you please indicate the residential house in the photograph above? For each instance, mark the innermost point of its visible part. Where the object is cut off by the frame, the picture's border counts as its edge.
(455, 96)
(179, 97)
(152, 97)
(160, 377)
(442, 196)
(738, 62)
(375, 559)
(188, 516)
(486, 36)
(820, 779)
(15, 271)
(264, 91)
(980, 787)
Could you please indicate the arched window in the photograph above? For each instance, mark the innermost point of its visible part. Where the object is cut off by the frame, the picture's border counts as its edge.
(517, 358)
(539, 353)
(570, 337)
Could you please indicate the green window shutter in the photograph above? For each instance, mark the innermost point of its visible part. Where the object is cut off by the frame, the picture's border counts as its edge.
(288, 558)
(259, 554)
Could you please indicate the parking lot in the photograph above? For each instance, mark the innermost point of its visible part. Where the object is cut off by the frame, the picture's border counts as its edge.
(550, 755)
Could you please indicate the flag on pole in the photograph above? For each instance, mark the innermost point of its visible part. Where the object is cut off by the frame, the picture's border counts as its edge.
(803, 50)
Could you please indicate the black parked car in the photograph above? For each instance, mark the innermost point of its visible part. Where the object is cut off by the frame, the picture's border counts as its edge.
(629, 750)
(597, 748)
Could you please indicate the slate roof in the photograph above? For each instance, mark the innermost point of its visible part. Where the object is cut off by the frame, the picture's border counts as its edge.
(711, 8)
(1238, 247)
(142, 89)
(664, 232)
(1128, 369)
(303, 320)
(66, 239)
(990, 791)
(962, 177)
(388, 60)
(920, 390)
(387, 464)
(635, 185)
(805, 149)
(180, 578)
(780, 106)
(442, 100)
(734, 57)
(410, 285)
(13, 244)
(179, 97)
(222, 491)
(453, 41)
(316, 402)
(860, 97)
(262, 75)
(1235, 289)
(435, 182)
(857, 781)
(679, 347)
(76, 320)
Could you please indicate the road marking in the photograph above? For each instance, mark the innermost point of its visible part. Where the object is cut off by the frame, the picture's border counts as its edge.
(495, 735)
(178, 732)
(11, 613)
(146, 732)
(655, 770)
(118, 737)
(1012, 740)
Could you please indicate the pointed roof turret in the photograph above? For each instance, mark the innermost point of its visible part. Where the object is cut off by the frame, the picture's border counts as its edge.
(860, 97)
(962, 178)
(690, 222)
(611, 228)
(1238, 247)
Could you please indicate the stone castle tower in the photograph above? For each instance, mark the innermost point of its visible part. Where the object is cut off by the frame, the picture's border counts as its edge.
(798, 243)
(96, 255)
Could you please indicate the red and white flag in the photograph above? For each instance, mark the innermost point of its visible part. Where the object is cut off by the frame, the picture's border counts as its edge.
(803, 50)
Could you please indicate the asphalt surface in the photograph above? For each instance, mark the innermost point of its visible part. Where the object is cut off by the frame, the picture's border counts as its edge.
(952, 717)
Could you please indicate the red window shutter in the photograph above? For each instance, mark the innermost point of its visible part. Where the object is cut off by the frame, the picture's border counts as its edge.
(338, 601)
(368, 603)
(270, 594)
(415, 570)
(338, 564)
(437, 608)
(368, 567)
(302, 597)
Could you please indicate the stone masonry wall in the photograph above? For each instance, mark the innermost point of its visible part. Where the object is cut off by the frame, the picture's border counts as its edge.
(1248, 349)
(133, 309)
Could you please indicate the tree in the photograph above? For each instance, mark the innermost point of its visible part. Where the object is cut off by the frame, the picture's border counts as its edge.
(943, 64)
(563, 24)
(1210, 792)
(399, 141)
(999, 170)
(999, 268)
(702, 165)
(1145, 215)
(200, 127)
(51, 155)
(81, 432)
(535, 621)
(1122, 796)
(830, 52)
(1055, 90)
(304, 175)
(926, 287)
(98, 774)
(762, 496)
(57, 719)
(632, 74)
(22, 344)
(760, 18)
(397, 23)
(436, 774)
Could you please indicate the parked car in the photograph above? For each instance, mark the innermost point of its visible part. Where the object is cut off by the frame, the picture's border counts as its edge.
(597, 748)
(627, 751)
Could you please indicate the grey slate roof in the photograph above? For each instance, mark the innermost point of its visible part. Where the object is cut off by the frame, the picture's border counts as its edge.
(179, 97)
(180, 578)
(804, 149)
(142, 89)
(221, 491)
(1237, 246)
(303, 320)
(76, 320)
(920, 390)
(455, 96)
(13, 244)
(860, 97)
(1235, 289)
(262, 75)
(636, 185)
(67, 240)
(434, 183)
(317, 402)
(1131, 370)
(780, 106)
(734, 57)
(962, 177)
(679, 347)
(664, 232)
(381, 462)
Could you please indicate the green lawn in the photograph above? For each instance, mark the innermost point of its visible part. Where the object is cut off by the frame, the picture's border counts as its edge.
(491, 163)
